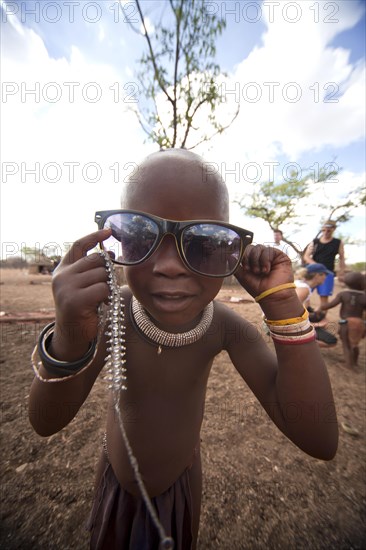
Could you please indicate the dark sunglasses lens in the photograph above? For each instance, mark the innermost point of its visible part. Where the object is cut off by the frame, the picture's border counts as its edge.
(133, 237)
(212, 249)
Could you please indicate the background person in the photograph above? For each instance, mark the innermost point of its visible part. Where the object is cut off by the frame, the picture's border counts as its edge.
(278, 242)
(351, 323)
(324, 250)
(306, 280)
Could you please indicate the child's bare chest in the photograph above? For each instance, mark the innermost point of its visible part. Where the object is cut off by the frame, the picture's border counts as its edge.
(162, 409)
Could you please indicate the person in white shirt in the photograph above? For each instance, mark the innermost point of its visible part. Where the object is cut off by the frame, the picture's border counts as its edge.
(306, 280)
(279, 243)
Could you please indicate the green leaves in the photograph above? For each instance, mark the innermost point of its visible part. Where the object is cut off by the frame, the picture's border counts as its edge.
(281, 203)
(177, 76)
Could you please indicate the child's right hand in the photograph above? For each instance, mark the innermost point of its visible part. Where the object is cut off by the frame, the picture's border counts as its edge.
(79, 285)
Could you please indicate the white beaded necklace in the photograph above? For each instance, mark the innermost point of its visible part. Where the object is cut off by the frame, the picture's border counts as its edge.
(116, 361)
(170, 339)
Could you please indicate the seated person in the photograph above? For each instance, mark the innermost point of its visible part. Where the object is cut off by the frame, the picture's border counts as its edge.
(306, 280)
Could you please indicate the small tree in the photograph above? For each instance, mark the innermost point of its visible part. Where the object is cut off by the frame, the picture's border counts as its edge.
(342, 212)
(178, 76)
(281, 204)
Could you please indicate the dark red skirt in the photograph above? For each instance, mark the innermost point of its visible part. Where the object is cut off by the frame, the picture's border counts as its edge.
(120, 521)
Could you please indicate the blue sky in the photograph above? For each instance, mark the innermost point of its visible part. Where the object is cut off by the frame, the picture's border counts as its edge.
(75, 148)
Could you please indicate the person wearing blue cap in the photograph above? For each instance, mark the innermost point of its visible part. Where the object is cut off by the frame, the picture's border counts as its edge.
(306, 281)
(318, 268)
(324, 250)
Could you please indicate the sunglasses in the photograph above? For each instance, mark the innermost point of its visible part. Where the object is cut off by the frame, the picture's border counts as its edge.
(206, 247)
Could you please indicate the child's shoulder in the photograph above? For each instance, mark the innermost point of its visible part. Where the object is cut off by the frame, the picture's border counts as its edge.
(236, 331)
(352, 292)
(229, 319)
(226, 311)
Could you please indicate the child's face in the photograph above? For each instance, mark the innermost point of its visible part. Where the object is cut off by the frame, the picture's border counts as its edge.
(320, 278)
(173, 295)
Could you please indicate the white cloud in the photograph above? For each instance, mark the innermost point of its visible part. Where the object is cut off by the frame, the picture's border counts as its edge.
(9, 15)
(101, 33)
(106, 133)
(289, 88)
(129, 72)
(315, 24)
(87, 122)
(148, 25)
(294, 59)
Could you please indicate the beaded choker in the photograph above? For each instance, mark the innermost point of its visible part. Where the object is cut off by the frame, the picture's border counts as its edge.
(170, 339)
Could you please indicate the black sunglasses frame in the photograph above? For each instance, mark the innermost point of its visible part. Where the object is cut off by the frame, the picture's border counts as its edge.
(176, 228)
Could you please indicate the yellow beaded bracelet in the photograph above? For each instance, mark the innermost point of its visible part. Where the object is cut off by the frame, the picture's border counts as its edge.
(273, 290)
(292, 321)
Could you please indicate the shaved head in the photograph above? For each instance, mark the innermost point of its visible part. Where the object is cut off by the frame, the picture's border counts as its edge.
(177, 174)
(355, 280)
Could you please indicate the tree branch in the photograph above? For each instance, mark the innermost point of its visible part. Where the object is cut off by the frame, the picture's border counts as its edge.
(152, 55)
(219, 131)
(178, 18)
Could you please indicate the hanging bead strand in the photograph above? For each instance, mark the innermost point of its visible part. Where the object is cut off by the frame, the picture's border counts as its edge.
(115, 321)
(116, 361)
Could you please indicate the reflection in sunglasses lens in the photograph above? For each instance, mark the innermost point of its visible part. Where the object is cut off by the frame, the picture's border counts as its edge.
(211, 249)
(133, 237)
(208, 248)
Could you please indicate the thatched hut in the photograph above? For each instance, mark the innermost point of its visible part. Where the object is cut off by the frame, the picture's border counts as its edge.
(41, 266)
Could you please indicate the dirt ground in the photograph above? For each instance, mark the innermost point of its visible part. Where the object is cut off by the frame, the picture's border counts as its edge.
(260, 491)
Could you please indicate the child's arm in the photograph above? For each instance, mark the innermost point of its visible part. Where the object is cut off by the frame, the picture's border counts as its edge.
(337, 300)
(308, 253)
(79, 286)
(342, 262)
(302, 293)
(294, 389)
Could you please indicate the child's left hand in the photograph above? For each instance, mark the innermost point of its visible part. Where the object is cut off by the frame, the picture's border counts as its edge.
(263, 267)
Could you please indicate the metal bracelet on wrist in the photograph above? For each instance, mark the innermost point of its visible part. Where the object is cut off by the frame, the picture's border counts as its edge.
(54, 366)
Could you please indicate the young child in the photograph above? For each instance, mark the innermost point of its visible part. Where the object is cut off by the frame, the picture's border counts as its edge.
(351, 324)
(174, 270)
